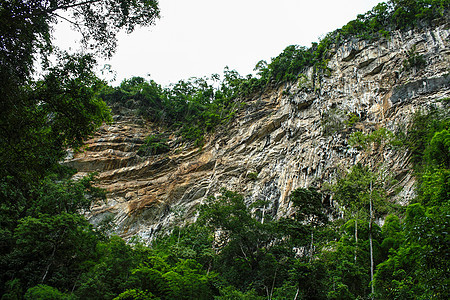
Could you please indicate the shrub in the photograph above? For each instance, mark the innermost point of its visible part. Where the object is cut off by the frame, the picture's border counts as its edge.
(414, 60)
(44, 292)
(252, 176)
(153, 145)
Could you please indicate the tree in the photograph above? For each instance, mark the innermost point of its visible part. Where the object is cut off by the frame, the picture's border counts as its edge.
(418, 264)
(237, 237)
(346, 278)
(438, 151)
(309, 211)
(351, 193)
(26, 26)
(379, 138)
(249, 252)
(51, 250)
(419, 268)
(44, 292)
(108, 275)
(44, 239)
(38, 119)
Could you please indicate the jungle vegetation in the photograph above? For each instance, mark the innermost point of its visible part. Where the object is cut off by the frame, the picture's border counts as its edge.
(194, 107)
(48, 250)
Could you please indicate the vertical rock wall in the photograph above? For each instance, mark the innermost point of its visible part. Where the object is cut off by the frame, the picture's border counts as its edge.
(292, 136)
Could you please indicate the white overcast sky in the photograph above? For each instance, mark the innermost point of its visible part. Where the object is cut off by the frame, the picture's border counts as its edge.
(200, 37)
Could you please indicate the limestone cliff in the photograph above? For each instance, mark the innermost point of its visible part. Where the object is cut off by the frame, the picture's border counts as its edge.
(283, 138)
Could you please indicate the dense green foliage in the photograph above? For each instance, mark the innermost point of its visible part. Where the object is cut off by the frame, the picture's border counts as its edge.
(190, 108)
(380, 22)
(154, 144)
(418, 266)
(46, 243)
(48, 250)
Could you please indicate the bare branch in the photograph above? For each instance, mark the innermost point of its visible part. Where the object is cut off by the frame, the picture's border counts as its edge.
(73, 5)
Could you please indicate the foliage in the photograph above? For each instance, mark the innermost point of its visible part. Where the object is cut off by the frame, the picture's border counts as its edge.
(189, 242)
(333, 121)
(417, 267)
(27, 26)
(423, 126)
(191, 107)
(37, 125)
(107, 275)
(40, 118)
(154, 144)
(353, 191)
(347, 261)
(51, 249)
(413, 61)
(377, 138)
(253, 250)
(438, 151)
(393, 15)
(73, 196)
(380, 22)
(336, 121)
(46, 244)
(44, 292)
(417, 270)
(134, 294)
(241, 239)
(252, 176)
(352, 119)
(287, 65)
(48, 250)
(308, 203)
(144, 274)
(229, 293)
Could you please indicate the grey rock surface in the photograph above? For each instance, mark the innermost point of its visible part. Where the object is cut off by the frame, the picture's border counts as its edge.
(287, 137)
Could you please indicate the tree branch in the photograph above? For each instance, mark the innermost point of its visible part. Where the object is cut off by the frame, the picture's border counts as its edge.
(72, 5)
(66, 19)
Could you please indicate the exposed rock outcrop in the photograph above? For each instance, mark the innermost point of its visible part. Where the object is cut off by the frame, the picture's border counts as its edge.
(278, 141)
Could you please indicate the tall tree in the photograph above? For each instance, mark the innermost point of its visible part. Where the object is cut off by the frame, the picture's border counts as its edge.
(309, 210)
(26, 26)
(62, 104)
(377, 139)
(38, 119)
(41, 114)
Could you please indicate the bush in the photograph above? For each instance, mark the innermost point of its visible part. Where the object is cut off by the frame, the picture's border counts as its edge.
(414, 60)
(44, 292)
(153, 145)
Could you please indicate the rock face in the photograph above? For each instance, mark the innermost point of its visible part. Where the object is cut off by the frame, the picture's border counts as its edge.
(295, 135)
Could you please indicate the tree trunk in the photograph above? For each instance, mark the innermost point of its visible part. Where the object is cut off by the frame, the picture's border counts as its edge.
(370, 241)
(49, 264)
(263, 214)
(356, 237)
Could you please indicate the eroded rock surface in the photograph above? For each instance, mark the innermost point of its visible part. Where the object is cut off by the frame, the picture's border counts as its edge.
(292, 136)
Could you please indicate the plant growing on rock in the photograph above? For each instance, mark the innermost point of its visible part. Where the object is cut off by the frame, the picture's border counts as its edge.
(352, 119)
(414, 61)
(153, 145)
(252, 176)
(336, 120)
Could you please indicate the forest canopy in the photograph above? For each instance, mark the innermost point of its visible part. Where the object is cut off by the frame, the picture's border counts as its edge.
(48, 250)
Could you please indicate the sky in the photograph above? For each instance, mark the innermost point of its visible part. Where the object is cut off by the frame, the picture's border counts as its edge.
(198, 38)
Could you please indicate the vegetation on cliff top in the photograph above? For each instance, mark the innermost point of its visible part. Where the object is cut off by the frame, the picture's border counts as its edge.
(196, 106)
